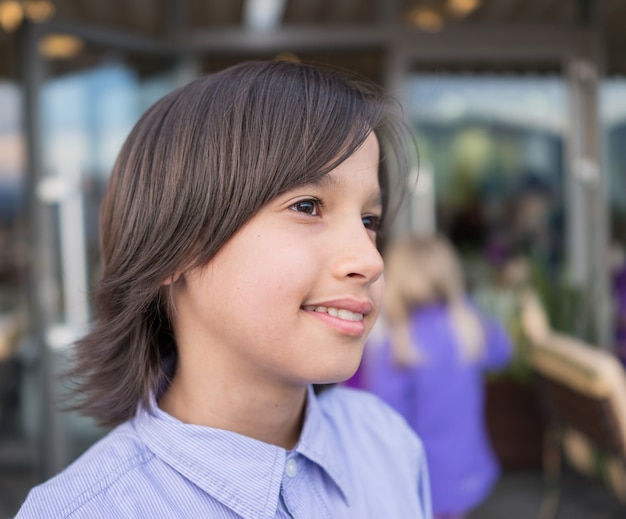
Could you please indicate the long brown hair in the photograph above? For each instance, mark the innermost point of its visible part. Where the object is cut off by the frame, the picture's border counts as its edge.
(198, 165)
(425, 270)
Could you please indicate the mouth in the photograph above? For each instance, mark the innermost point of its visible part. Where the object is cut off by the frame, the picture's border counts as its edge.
(340, 313)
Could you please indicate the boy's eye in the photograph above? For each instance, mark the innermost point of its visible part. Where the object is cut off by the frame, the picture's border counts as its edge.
(309, 206)
(372, 222)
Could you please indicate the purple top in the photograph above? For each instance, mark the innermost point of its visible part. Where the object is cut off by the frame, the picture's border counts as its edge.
(443, 400)
(619, 294)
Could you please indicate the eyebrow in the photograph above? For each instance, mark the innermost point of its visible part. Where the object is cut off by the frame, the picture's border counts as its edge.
(325, 181)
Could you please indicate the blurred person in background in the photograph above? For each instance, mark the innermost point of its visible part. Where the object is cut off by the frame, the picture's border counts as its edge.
(617, 259)
(430, 368)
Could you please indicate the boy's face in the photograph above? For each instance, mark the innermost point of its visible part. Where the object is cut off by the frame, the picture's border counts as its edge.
(290, 299)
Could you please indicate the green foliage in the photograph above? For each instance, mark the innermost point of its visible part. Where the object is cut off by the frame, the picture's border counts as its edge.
(503, 304)
(566, 305)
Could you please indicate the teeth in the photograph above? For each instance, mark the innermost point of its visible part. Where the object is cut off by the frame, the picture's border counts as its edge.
(348, 315)
(341, 313)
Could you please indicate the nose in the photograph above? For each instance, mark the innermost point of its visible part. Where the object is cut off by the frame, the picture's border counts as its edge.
(357, 256)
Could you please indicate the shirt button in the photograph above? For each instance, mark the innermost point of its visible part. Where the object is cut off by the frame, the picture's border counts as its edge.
(291, 468)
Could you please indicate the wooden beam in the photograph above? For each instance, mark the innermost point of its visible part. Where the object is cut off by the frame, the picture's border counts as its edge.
(146, 14)
(286, 38)
(500, 11)
(222, 12)
(455, 43)
(100, 10)
(110, 38)
(540, 9)
(346, 9)
(300, 10)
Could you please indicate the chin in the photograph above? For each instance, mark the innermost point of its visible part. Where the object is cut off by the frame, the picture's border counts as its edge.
(332, 367)
(339, 375)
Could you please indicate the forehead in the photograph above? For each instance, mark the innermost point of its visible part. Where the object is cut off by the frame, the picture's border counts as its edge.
(358, 174)
(362, 165)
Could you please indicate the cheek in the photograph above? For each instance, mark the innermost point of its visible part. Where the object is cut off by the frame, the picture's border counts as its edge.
(377, 292)
(272, 272)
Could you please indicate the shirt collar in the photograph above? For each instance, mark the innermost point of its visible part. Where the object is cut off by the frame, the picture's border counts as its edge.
(242, 473)
(319, 443)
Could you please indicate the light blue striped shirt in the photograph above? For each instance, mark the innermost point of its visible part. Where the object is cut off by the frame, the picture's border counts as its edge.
(356, 459)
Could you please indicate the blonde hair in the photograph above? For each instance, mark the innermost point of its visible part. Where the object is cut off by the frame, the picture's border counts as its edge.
(425, 270)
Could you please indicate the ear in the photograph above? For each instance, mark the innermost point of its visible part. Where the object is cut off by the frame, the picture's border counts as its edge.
(171, 279)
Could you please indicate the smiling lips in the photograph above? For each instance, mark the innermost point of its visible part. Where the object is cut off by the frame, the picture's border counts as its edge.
(341, 313)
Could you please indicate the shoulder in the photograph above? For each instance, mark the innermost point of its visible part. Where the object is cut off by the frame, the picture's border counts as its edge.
(114, 458)
(381, 453)
(351, 400)
(367, 415)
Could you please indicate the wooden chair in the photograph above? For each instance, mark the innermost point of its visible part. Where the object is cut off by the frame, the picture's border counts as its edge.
(583, 390)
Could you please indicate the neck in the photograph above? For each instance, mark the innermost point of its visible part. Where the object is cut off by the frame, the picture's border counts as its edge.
(270, 414)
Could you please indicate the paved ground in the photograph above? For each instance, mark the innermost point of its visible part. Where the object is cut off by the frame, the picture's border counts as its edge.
(518, 495)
